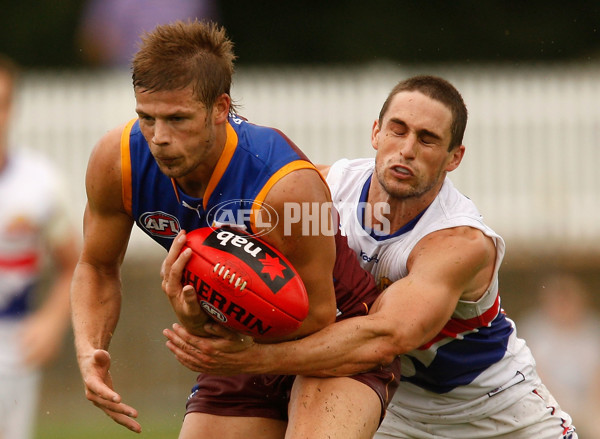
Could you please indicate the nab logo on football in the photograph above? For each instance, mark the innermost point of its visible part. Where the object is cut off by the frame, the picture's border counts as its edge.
(160, 224)
(273, 270)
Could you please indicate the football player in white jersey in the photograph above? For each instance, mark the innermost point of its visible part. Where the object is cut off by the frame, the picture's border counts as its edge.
(465, 374)
(33, 207)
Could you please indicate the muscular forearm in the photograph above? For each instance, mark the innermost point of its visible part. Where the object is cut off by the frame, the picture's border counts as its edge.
(96, 303)
(344, 348)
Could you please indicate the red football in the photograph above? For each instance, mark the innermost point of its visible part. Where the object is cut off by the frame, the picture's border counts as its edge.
(244, 283)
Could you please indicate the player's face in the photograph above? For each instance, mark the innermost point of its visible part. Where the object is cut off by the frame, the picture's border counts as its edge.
(180, 131)
(412, 146)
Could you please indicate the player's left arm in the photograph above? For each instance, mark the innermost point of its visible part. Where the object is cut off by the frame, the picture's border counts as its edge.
(444, 267)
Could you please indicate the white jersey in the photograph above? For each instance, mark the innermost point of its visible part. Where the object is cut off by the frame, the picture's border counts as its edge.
(476, 365)
(33, 213)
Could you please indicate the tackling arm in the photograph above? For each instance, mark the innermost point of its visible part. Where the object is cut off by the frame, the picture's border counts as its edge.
(409, 313)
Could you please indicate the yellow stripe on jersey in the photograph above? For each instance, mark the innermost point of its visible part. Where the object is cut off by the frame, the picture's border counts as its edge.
(222, 163)
(285, 170)
(126, 166)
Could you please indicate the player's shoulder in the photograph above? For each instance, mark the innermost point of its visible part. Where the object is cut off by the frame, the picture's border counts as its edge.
(469, 237)
(104, 167)
(345, 166)
(108, 147)
(303, 184)
(347, 172)
(114, 135)
(465, 246)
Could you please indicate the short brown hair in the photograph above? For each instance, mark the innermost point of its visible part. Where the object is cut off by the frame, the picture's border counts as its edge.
(440, 90)
(176, 55)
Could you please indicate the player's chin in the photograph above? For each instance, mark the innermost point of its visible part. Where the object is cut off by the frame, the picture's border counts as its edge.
(170, 171)
(171, 168)
(403, 189)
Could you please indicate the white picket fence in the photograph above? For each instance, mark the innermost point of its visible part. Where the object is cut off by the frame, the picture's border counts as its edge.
(532, 137)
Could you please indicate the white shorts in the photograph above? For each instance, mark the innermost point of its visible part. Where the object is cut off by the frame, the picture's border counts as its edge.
(19, 386)
(536, 415)
(18, 404)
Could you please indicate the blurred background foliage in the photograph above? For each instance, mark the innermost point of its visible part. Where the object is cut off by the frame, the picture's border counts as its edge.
(42, 33)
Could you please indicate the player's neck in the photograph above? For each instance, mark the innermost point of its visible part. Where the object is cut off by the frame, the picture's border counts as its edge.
(196, 183)
(401, 210)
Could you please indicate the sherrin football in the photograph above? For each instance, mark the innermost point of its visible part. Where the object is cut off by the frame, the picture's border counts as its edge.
(244, 283)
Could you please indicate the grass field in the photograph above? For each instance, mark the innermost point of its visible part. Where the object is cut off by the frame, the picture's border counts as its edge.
(144, 372)
(65, 413)
(102, 427)
(103, 432)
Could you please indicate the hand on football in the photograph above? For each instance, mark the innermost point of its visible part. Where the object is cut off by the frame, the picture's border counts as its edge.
(223, 353)
(182, 299)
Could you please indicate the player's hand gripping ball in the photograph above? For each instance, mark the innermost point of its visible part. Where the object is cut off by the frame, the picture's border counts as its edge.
(244, 283)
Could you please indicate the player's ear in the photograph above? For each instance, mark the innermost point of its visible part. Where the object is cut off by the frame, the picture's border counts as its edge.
(221, 108)
(375, 135)
(456, 156)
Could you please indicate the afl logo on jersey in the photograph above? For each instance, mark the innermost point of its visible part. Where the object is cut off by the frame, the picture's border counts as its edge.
(160, 224)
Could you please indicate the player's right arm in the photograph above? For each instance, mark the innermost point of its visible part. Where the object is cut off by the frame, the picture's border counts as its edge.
(96, 286)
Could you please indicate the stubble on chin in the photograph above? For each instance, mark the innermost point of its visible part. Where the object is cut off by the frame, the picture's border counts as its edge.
(170, 171)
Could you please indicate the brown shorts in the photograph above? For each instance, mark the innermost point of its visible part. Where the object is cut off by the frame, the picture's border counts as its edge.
(267, 396)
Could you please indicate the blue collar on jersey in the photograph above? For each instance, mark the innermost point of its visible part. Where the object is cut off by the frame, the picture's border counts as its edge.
(360, 212)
